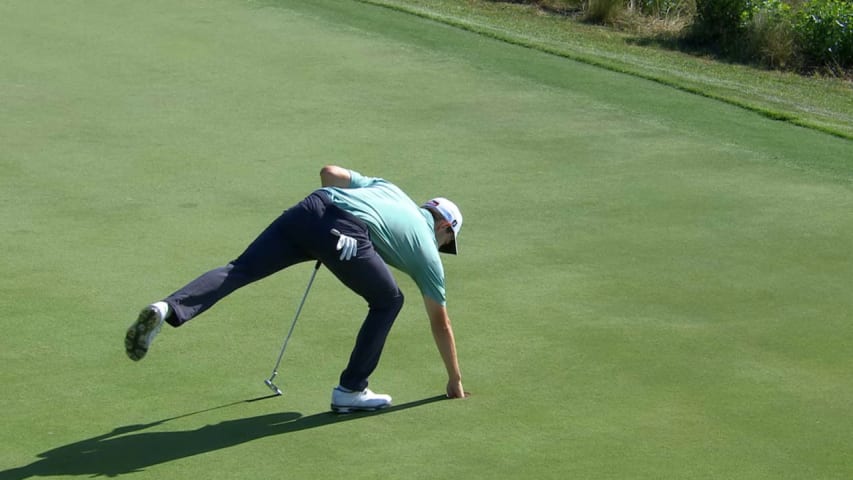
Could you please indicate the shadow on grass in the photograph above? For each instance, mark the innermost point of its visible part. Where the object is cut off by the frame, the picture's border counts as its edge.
(127, 449)
(685, 44)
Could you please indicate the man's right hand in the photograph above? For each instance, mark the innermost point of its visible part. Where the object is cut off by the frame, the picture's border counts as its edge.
(455, 390)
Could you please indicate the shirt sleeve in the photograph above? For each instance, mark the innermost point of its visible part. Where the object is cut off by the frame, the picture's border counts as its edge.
(358, 180)
(429, 278)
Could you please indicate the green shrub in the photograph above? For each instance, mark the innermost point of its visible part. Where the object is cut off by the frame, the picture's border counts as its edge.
(603, 11)
(824, 31)
(770, 36)
(720, 22)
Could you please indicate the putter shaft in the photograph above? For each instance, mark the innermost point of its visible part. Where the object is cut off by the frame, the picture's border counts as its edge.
(268, 381)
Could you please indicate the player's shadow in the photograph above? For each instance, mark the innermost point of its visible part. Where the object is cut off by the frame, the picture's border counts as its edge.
(130, 449)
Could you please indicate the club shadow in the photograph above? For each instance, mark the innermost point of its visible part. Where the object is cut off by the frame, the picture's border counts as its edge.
(130, 448)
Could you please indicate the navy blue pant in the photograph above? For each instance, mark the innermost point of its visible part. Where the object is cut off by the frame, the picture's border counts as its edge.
(300, 234)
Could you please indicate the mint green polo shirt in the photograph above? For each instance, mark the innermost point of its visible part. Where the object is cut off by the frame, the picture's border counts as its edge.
(401, 231)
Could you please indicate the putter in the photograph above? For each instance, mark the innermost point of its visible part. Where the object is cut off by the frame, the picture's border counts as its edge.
(268, 381)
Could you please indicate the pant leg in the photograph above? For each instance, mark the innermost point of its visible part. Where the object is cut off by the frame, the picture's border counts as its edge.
(279, 246)
(369, 276)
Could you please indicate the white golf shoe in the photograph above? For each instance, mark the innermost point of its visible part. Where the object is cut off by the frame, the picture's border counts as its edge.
(141, 333)
(347, 401)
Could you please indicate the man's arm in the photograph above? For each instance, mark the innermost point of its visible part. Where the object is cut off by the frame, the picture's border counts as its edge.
(442, 332)
(334, 176)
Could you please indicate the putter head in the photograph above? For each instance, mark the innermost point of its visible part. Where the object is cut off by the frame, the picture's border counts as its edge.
(272, 387)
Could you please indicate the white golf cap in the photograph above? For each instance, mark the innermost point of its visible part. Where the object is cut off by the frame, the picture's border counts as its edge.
(451, 213)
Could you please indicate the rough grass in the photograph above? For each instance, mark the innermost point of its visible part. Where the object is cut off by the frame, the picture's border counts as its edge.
(814, 102)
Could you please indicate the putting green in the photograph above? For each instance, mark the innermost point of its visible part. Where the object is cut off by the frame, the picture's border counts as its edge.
(651, 284)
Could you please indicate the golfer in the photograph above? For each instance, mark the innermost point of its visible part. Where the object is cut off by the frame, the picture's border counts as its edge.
(375, 225)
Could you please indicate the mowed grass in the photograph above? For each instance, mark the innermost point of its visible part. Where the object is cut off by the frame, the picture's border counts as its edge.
(651, 284)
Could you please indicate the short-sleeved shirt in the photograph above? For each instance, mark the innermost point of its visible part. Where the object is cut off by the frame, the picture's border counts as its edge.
(401, 231)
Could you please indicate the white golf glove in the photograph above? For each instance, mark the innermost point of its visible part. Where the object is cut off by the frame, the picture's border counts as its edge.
(348, 246)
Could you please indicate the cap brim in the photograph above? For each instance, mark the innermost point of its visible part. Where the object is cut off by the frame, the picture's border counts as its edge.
(449, 248)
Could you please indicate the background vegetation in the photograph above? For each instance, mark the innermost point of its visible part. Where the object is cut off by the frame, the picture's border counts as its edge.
(800, 35)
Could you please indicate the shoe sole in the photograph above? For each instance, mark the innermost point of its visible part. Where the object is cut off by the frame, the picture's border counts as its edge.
(135, 341)
(348, 409)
